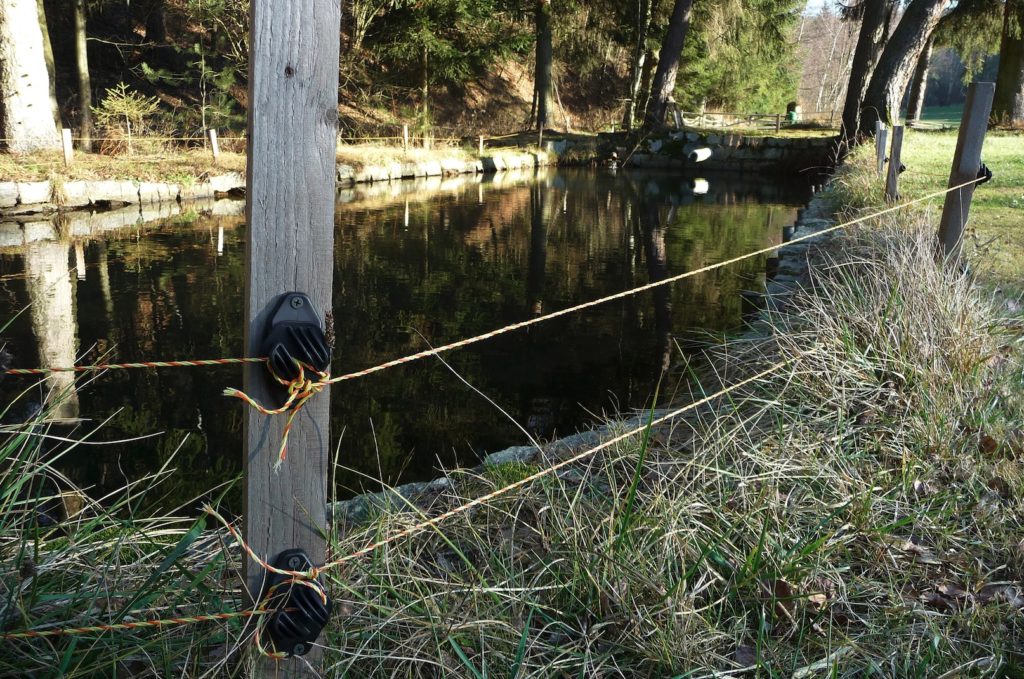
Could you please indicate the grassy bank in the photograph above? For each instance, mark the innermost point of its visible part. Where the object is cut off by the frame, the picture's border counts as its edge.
(858, 513)
(189, 165)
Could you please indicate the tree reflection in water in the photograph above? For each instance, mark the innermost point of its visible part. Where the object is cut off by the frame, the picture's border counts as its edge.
(438, 259)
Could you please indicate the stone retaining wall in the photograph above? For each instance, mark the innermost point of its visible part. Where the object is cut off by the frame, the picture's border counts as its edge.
(497, 162)
(46, 196)
(734, 152)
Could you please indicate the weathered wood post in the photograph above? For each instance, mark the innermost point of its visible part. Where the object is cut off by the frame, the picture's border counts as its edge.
(481, 152)
(966, 163)
(293, 115)
(881, 137)
(69, 149)
(405, 138)
(211, 134)
(892, 178)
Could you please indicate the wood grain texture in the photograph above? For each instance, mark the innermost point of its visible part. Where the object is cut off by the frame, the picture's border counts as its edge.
(293, 95)
(892, 179)
(966, 163)
(881, 138)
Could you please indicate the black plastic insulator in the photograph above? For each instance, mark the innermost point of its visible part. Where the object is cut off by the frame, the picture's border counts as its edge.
(300, 615)
(295, 332)
(902, 168)
(984, 174)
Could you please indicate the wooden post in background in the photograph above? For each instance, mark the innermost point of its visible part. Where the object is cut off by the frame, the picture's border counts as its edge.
(481, 145)
(778, 122)
(966, 163)
(405, 137)
(211, 134)
(892, 179)
(292, 127)
(881, 137)
(69, 149)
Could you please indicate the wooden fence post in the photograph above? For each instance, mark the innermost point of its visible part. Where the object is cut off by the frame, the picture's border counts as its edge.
(881, 137)
(293, 96)
(481, 145)
(211, 134)
(778, 122)
(405, 138)
(966, 163)
(66, 143)
(892, 179)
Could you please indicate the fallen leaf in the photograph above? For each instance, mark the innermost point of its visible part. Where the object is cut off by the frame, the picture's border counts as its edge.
(1000, 486)
(938, 602)
(987, 444)
(1002, 592)
(953, 591)
(817, 602)
(921, 553)
(783, 595)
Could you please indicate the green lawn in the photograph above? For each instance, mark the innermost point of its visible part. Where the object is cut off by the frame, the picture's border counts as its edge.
(995, 233)
(943, 115)
(995, 236)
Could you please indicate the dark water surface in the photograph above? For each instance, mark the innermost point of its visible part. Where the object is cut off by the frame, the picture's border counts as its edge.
(416, 263)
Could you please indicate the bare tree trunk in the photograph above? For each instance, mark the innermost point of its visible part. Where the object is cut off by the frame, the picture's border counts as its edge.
(920, 83)
(668, 64)
(84, 84)
(874, 31)
(25, 120)
(545, 55)
(643, 25)
(1008, 106)
(896, 65)
(156, 23)
(51, 70)
(650, 63)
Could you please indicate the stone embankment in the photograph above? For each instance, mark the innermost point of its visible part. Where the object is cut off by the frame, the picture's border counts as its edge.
(738, 153)
(20, 198)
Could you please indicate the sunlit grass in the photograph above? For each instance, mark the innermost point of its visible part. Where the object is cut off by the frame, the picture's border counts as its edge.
(182, 165)
(995, 231)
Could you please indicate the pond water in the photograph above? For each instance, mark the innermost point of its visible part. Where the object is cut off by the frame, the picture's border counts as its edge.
(426, 261)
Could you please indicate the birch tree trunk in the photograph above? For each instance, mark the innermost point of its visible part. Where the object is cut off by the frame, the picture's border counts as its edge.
(920, 83)
(892, 75)
(26, 121)
(1008, 106)
(668, 64)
